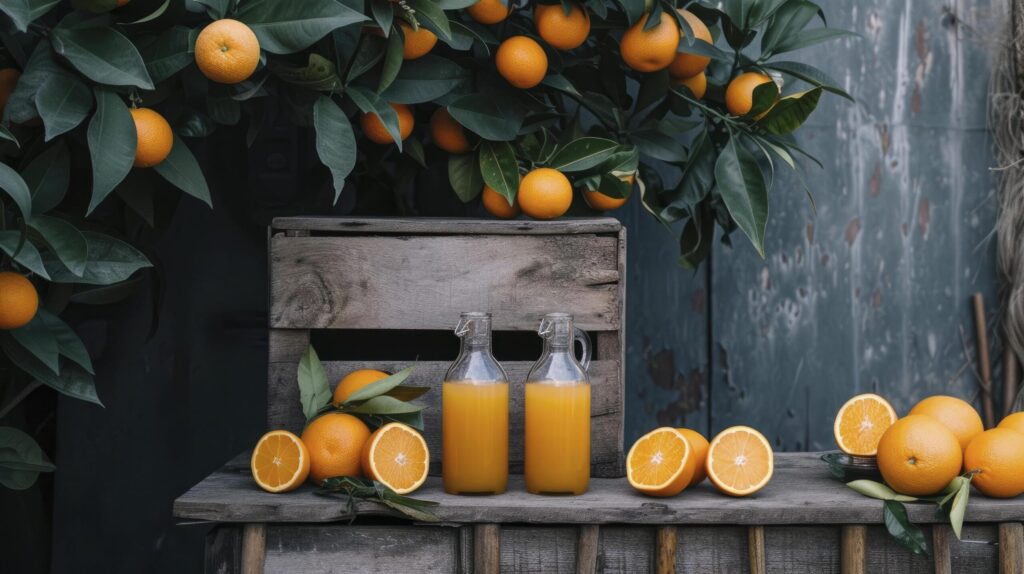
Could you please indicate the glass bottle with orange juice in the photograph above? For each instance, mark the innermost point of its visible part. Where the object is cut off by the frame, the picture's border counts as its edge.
(474, 414)
(557, 406)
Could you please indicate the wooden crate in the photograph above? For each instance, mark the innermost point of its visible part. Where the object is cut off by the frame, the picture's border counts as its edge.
(420, 274)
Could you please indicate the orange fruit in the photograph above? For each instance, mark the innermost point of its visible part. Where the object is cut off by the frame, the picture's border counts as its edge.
(544, 193)
(601, 202)
(19, 300)
(490, 11)
(699, 453)
(650, 50)
(396, 456)
(375, 130)
(448, 134)
(335, 442)
(660, 463)
(497, 205)
(354, 381)
(739, 95)
(521, 61)
(689, 65)
(698, 84)
(997, 455)
(1013, 421)
(918, 455)
(417, 42)
(861, 422)
(154, 138)
(956, 414)
(280, 462)
(561, 31)
(8, 81)
(740, 461)
(227, 51)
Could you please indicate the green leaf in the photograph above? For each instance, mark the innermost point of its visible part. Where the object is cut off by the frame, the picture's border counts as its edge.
(48, 176)
(432, 17)
(464, 175)
(370, 103)
(741, 183)
(499, 168)
(110, 261)
(393, 58)
(696, 239)
(658, 144)
(159, 11)
(414, 149)
(21, 107)
(335, 141)
(384, 405)
(27, 256)
(21, 459)
(787, 21)
(808, 38)
(72, 381)
(6, 134)
(288, 27)
(407, 392)
(878, 490)
(68, 342)
(38, 340)
(430, 78)
(764, 97)
(105, 295)
(383, 14)
(378, 388)
(314, 391)
(170, 53)
(560, 83)
(112, 142)
(702, 48)
(15, 187)
(103, 55)
(905, 532)
(181, 169)
(217, 9)
(64, 240)
(790, 112)
(583, 154)
(811, 75)
(959, 508)
(23, 12)
(370, 51)
(696, 182)
(487, 116)
(318, 74)
(63, 102)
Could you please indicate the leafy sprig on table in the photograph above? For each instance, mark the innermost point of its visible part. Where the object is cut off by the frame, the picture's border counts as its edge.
(356, 489)
(378, 403)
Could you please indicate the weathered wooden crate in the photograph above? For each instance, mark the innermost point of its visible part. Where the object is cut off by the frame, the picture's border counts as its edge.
(392, 274)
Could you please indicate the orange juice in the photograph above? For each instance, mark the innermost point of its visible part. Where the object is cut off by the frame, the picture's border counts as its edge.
(557, 437)
(474, 429)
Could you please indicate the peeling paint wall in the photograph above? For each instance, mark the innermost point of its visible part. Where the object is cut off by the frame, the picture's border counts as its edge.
(871, 292)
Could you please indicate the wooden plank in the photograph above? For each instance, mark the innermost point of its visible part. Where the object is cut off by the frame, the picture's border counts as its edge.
(626, 549)
(887, 555)
(802, 549)
(755, 550)
(287, 345)
(487, 549)
(978, 552)
(665, 550)
(447, 226)
(942, 535)
(381, 549)
(284, 410)
(587, 546)
(406, 282)
(853, 548)
(1011, 548)
(712, 549)
(223, 553)
(801, 492)
(254, 548)
(538, 549)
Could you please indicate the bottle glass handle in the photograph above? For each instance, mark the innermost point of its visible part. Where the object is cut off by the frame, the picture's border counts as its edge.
(584, 340)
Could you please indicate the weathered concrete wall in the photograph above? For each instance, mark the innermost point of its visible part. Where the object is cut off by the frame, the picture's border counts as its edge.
(870, 293)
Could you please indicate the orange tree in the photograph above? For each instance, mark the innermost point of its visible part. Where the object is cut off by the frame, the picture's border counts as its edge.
(544, 107)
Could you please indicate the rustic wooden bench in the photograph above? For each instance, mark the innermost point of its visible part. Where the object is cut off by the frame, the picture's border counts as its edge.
(364, 274)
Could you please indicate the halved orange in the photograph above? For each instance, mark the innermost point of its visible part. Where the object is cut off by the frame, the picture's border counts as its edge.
(861, 422)
(740, 461)
(280, 462)
(660, 463)
(397, 456)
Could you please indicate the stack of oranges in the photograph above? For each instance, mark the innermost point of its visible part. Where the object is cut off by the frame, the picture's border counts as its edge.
(666, 461)
(340, 444)
(940, 438)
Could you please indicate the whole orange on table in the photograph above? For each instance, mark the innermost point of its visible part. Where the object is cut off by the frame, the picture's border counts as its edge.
(996, 457)
(335, 442)
(1013, 421)
(919, 456)
(354, 381)
(227, 51)
(956, 414)
(544, 193)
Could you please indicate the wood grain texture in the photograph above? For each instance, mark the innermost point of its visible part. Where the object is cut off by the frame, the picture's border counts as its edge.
(254, 548)
(1011, 548)
(538, 549)
(366, 549)
(801, 492)
(712, 549)
(853, 548)
(626, 549)
(665, 550)
(977, 552)
(757, 556)
(887, 555)
(942, 535)
(802, 549)
(486, 549)
(223, 552)
(284, 410)
(587, 547)
(446, 226)
(417, 282)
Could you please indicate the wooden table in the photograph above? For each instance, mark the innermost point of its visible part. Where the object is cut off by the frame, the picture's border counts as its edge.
(804, 520)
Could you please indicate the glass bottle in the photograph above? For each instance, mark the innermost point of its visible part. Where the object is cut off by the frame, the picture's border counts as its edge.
(474, 414)
(557, 457)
